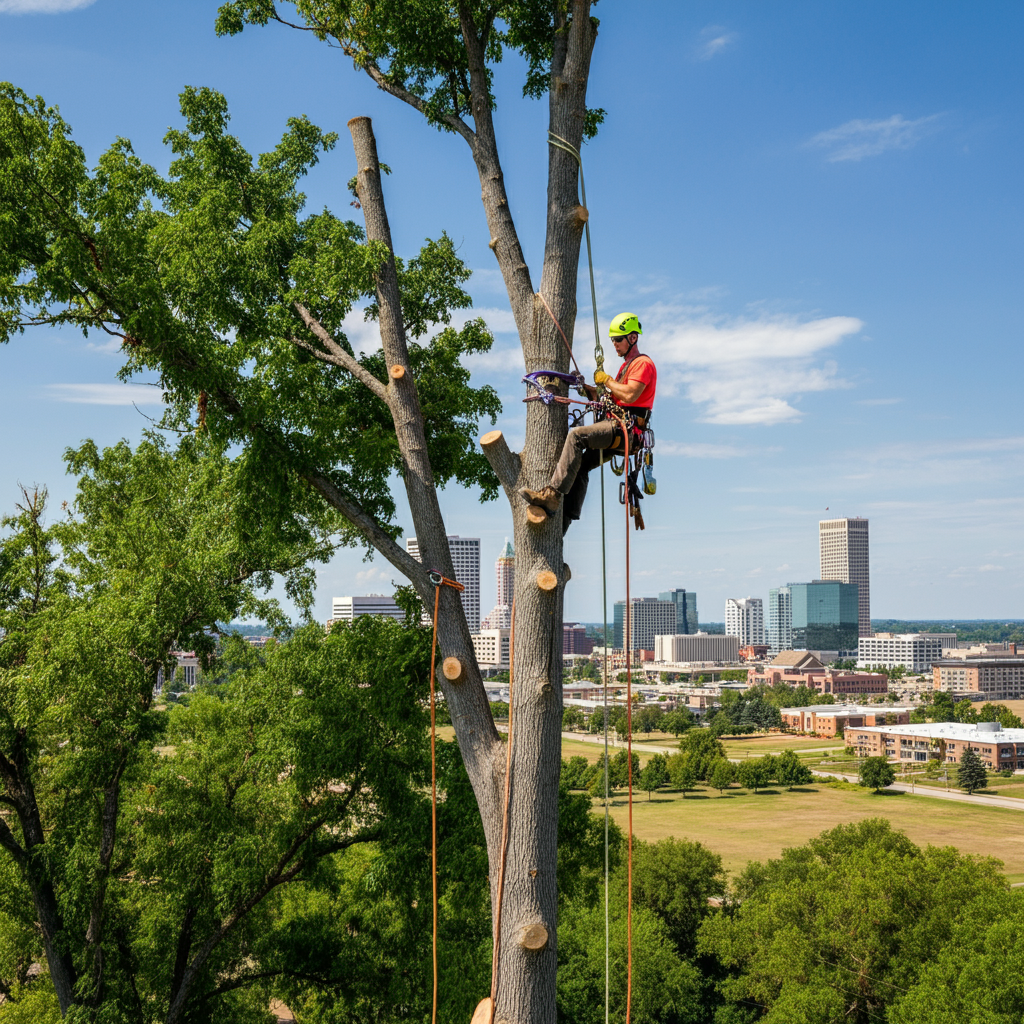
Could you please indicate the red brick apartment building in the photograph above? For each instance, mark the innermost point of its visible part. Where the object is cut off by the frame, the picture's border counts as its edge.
(1000, 678)
(800, 668)
(941, 741)
(829, 719)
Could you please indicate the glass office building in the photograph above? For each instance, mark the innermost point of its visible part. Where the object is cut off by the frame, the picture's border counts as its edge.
(686, 608)
(824, 616)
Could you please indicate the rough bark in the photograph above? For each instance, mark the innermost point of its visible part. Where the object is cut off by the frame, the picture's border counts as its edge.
(29, 856)
(527, 966)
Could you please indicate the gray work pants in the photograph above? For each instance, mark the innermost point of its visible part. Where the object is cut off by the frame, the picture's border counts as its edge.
(580, 454)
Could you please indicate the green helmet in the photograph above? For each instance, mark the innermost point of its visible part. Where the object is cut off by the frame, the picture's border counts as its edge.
(624, 323)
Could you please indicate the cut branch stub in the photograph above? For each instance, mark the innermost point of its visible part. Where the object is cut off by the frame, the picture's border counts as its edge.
(533, 936)
(547, 580)
(482, 1013)
(536, 515)
(453, 670)
(397, 371)
(581, 215)
(568, 571)
(503, 460)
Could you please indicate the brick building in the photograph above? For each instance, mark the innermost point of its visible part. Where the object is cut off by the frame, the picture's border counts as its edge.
(575, 639)
(941, 741)
(830, 719)
(800, 668)
(992, 678)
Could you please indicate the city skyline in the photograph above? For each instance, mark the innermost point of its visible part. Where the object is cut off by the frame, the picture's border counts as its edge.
(848, 223)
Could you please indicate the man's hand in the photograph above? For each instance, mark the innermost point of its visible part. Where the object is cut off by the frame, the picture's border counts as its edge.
(600, 377)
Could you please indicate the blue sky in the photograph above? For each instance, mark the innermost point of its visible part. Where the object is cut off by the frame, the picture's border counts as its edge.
(815, 210)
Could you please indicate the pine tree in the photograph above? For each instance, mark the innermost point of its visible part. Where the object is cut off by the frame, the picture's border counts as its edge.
(971, 774)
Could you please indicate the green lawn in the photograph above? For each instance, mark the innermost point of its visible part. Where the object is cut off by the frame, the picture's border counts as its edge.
(742, 826)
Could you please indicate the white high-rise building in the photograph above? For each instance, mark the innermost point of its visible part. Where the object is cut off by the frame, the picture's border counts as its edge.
(500, 616)
(744, 618)
(843, 547)
(349, 608)
(465, 553)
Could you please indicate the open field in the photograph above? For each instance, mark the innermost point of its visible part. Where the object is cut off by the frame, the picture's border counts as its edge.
(742, 826)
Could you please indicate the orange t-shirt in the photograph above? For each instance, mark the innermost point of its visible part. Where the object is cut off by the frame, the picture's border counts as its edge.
(639, 370)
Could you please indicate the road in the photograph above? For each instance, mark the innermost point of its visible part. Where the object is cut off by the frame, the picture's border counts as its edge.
(1009, 802)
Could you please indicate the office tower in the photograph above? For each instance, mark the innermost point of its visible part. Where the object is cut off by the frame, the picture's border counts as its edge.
(575, 639)
(347, 609)
(500, 616)
(843, 546)
(686, 608)
(650, 617)
(825, 615)
(780, 620)
(744, 618)
(465, 553)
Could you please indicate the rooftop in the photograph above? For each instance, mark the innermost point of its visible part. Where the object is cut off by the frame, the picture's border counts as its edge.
(980, 733)
(847, 709)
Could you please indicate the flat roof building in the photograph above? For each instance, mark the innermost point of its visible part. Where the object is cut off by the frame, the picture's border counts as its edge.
(914, 651)
(704, 647)
(997, 747)
(991, 678)
(347, 609)
(491, 647)
(830, 719)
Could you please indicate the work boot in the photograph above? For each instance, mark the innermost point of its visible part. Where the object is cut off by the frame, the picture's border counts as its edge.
(548, 498)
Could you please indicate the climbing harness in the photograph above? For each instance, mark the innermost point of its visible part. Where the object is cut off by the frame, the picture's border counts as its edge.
(438, 580)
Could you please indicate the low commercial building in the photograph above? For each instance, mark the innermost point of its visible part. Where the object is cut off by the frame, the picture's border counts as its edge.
(831, 719)
(349, 608)
(981, 677)
(691, 647)
(801, 668)
(914, 651)
(754, 652)
(491, 647)
(941, 741)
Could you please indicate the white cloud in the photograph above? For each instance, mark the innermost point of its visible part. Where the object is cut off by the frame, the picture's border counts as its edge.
(990, 568)
(880, 401)
(42, 6)
(743, 370)
(699, 450)
(106, 394)
(714, 39)
(860, 138)
(372, 575)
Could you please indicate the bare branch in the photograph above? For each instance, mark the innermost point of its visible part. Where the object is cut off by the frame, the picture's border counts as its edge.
(341, 357)
(369, 528)
(452, 121)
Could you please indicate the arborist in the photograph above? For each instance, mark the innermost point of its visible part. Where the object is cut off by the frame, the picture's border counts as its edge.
(632, 390)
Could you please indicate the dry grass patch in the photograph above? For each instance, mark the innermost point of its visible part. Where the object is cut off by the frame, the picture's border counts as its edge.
(742, 826)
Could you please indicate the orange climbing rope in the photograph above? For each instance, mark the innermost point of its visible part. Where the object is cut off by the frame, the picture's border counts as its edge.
(438, 580)
(504, 820)
(629, 761)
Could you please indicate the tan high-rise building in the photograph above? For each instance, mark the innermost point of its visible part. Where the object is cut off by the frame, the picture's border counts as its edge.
(843, 545)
